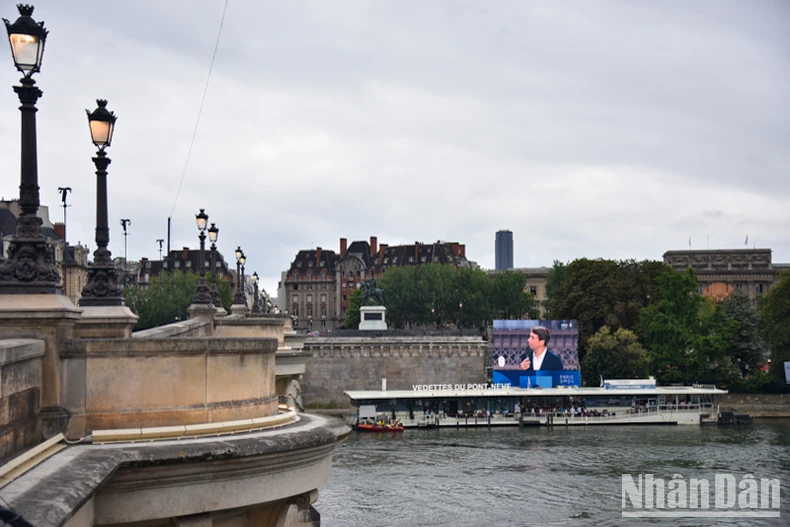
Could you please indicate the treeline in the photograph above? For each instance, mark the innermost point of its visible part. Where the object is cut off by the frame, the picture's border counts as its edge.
(167, 298)
(438, 295)
(643, 318)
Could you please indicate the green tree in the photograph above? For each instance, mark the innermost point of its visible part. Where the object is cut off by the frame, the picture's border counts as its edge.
(167, 298)
(554, 280)
(775, 322)
(687, 335)
(352, 313)
(508, 297)
(617, 355)
(747, 348)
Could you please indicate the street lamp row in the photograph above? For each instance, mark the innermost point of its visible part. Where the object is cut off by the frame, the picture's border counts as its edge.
(30, 267)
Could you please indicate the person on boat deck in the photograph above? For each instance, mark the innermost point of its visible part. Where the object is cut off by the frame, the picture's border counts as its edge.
(540, 358)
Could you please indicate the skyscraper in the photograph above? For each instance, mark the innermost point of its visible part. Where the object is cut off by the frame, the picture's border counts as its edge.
(504, 250)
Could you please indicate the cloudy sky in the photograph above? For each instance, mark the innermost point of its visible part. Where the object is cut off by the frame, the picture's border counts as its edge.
(611, 129)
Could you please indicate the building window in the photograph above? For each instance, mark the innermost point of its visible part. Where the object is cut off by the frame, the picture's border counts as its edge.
(533, 290)
(296, 286)
(296, 311)
(344, 298)
(298, 264)
(296, 299)
(411, 258)
(759, 288)
(323, 286)
(343, 285)
(309, 299)
(323, 274)
(323, 299)
(423, 259)
(310, 263)
(323, 323)
(323, 312)
(739, 287)
(309, 277)
(321, 263)
(309, 312)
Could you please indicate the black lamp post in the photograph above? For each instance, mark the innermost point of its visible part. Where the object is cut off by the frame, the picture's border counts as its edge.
(103, 287)
(256, 305)
(202, 295)
(243, 260)
(213, 234)
(30, 267)
(238, 296)
(460, 317)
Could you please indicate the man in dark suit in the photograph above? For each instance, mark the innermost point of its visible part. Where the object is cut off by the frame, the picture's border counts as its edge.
(540, 358)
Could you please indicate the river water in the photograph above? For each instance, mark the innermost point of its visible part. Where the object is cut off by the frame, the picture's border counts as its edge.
(540, 476)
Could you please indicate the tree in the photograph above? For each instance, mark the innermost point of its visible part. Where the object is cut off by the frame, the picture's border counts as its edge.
(554, 280)
(617, 355)
(774, 315)
(508, 297)
(747, 348)
(352, 313)
(687, 335)
(167, 298)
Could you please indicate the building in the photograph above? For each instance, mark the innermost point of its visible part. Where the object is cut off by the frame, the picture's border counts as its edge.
(186, 260)
(721, 271)
(504, 250)
(317, 285)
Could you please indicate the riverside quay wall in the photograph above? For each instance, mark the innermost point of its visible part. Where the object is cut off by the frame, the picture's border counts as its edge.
(757, 404)
(359, 363)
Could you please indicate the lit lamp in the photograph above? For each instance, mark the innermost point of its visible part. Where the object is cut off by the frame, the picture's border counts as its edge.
(103, 287)
(213, 234)
(30, 267)
(202, 294)
(242, 261)
(256, 305)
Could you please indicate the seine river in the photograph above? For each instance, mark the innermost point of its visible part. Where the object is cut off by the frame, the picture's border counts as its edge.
(540, 476)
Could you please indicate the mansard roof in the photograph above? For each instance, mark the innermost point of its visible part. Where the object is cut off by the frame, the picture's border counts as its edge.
(314, 260)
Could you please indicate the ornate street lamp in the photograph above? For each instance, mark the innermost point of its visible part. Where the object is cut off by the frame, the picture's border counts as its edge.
(238, 296)
(30, 267)
(103, 287)
(256, 305)
(202, 295)
(243, 260)
(213, 234)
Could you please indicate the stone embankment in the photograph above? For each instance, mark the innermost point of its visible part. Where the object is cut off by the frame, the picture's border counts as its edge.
(757, 404)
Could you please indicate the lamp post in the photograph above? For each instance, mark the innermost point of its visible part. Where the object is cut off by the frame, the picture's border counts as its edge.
(242, 260)
(213, 234)
(238, 296)
(202, 294)
(103, 287)
(30, 267)
(460, 317)
(256, 305)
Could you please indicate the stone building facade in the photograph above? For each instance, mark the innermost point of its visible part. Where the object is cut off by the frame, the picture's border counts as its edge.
(721, 271)
(317, 285)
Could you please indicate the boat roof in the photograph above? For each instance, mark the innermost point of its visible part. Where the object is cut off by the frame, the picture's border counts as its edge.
(356, 395)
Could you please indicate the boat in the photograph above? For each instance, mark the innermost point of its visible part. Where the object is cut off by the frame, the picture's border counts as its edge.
(379, 427)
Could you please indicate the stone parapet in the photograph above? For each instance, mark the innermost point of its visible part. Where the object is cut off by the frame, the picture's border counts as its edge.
(196, 327)
(149, 382)
(757, 404)
(246, 479)
(20, 394)
(258, 326)
(340, 364)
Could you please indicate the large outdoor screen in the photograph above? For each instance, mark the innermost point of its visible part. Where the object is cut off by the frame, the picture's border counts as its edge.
(548, 359)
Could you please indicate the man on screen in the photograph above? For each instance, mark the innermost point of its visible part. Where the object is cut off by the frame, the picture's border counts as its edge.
(540, 358)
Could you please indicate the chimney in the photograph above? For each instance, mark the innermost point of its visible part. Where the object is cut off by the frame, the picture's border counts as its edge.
(343, 244)
(374, 245)
(462, 250)
(382, 250)
(185, 253)
(60, 230)
(318, 257)
(416, 252)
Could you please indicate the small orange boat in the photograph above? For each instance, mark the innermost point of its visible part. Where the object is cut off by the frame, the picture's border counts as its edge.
(369, 427)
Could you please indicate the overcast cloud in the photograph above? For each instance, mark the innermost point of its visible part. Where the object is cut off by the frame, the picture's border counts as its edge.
(590, 129)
